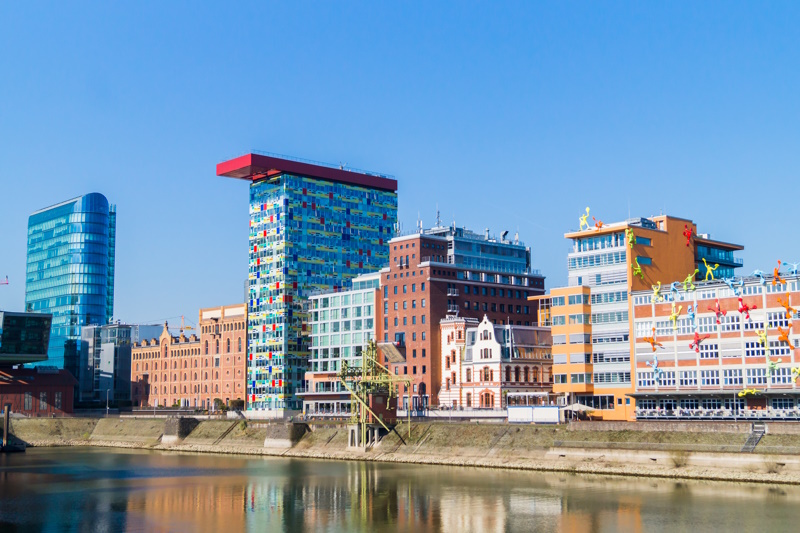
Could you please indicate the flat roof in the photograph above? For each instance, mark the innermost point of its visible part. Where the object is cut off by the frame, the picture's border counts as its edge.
(254, 167)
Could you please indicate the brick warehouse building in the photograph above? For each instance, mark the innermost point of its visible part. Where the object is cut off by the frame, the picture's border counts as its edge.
(441, 271)
(192, 371)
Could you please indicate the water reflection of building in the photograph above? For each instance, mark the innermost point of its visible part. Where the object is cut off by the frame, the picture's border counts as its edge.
(203, 504)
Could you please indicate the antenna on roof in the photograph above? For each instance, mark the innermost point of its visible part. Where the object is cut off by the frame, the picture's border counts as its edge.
(438, 218)
(516, 236)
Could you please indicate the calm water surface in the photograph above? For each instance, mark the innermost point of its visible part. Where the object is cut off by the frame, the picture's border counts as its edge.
(94, 489)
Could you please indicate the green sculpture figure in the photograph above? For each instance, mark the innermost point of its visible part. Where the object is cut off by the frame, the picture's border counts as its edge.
(772, 366)
(710, 270)
(631, 237)
(688, 282)
(637, 269)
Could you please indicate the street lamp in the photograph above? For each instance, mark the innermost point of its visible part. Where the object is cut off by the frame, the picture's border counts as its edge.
(107, 402)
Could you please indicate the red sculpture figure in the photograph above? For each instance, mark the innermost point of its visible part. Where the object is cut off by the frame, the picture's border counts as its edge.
(745, 309)
(776, 275)
(652, 341)
(717, 311)
(789, 308)
(687, 232)
(697, 340)
(784, 335)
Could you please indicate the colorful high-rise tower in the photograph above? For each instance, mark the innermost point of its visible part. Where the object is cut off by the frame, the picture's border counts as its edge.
(311, 228)
(70, 271)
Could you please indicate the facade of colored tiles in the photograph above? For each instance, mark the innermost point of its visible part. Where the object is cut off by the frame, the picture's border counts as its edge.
(698, 349)
(592, 350)
(70, 271)
(306, 234)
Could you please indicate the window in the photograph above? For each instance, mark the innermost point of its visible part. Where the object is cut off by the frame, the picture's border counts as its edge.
(709, 377)
(43, 401)
(228, 346)
(756, 376)
(423, 302)
(422, 287)
(57, 400)
(709, 351)
(28, 401)
(645, 260)
(732, 376)
(782, 403)
(782, 376)
(688, 378)
(559, 378)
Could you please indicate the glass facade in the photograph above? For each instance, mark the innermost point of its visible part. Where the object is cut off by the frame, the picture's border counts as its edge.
(306, 235)
(23, 337)
(70, 271)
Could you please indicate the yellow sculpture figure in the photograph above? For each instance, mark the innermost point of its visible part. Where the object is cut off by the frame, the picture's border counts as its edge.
(657, 297)
(674, 315)
(710, 270)
(585, 220)
(631, 237)
(688, 282)
(762, 337)
(795, 373)
(745, 392)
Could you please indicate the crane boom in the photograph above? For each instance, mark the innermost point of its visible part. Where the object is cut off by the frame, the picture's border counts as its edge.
(4, 281)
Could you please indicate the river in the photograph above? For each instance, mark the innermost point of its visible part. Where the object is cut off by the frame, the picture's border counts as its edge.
(110, 490)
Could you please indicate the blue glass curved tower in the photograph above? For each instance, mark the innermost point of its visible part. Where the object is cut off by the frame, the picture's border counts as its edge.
(70, 270)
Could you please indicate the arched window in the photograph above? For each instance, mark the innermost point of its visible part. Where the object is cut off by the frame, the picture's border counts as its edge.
(145, 366)
(137, 367)
(469, 375)
(216, 388)
(195, 377)
(205, 375)
(165, 377)
(508, 373)
(228, 346)
(184, 364)
(534, 377)
(184, 389)
(240, 345)
(217, 347)
(487, 374)
(155, 366)
(206, 347)
(205, 388)
(174, 389)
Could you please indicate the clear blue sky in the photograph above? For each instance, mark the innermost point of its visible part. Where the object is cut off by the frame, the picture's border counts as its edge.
(506, 115)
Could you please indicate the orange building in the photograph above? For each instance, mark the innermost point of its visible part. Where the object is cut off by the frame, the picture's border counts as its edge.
(193, 371)
(592, 352)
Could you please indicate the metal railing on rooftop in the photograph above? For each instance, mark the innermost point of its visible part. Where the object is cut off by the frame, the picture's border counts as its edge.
(322, 164)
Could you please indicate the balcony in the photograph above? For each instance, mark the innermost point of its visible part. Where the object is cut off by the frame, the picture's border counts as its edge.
(452, 292)
(452, 308)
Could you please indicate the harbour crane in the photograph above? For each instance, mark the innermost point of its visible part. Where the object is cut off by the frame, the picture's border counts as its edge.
(4, 281)
(184, 327)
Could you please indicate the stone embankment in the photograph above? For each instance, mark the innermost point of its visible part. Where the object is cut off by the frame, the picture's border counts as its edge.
(698, 451)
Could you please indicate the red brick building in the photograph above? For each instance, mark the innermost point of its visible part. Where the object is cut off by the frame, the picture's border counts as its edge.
(448, 270)
(39, 391)
(193, 371)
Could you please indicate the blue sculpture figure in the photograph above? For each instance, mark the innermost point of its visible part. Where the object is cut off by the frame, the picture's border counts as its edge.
(760, 274)
(675, 290)
(731, 283)
(692, 315)
(656, 370)
(792, 267)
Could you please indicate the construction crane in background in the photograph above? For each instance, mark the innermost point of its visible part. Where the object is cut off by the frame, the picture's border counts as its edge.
(4, 281)
(184, 327)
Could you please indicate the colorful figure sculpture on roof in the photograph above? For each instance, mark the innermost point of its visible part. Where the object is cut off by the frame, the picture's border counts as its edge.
(675, 290)
(652, 341)
(717, 311)
(688, 282)
(697, 340)
(710, 270)
(792, 267)
(656, 369)
(745, 392)
(657, 296)
(789, 309)
(687, 232)
(760, 274)
(776, 275)
(631, 237)
(795, 373)
(673, 316)
(745, 309)
(784, 335)
(637, 269)
(732, 285)
(598, 224)
(584, 220)
(692, 316)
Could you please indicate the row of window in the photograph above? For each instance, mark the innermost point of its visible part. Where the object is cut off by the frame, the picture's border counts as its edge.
(28, 401)
(730, 377)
